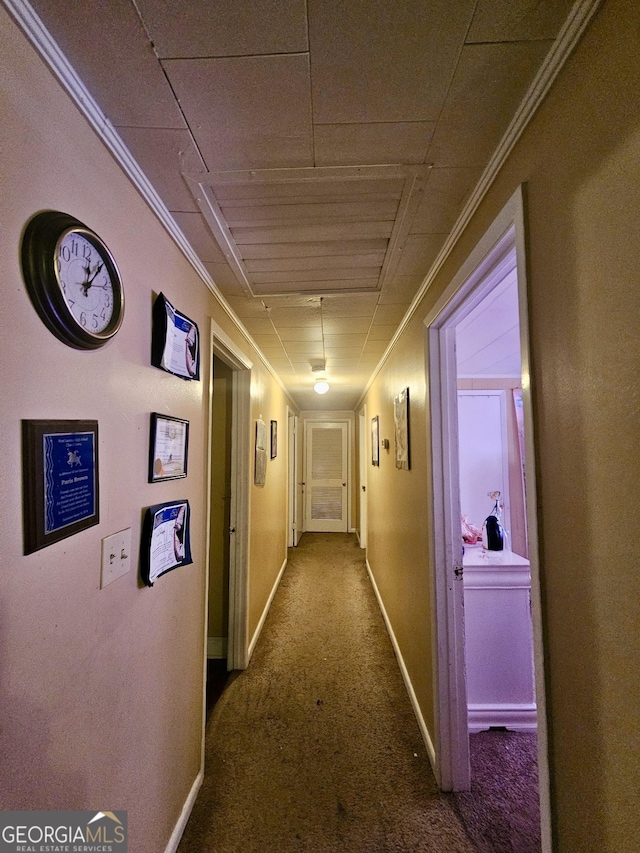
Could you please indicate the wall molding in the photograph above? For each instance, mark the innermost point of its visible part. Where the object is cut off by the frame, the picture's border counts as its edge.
(516, 718)
(574, 26)
(187, 808)
(267, 606)
(424, 731)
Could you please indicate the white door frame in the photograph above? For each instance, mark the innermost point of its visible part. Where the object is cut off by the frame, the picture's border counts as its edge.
(363, 469)
(293, 532)
(225, 349)
(467, 289)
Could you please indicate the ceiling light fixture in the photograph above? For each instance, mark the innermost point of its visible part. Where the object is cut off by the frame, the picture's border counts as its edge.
(321, 386)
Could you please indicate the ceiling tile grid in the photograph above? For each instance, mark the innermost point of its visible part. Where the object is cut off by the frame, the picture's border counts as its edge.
(315, 155)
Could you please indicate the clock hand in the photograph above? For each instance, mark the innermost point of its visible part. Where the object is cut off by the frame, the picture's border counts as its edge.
(87, 284)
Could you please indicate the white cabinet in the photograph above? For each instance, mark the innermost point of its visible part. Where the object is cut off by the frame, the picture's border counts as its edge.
(498, 640)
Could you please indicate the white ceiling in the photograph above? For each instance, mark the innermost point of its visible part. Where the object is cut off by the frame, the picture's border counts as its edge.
(315, 154)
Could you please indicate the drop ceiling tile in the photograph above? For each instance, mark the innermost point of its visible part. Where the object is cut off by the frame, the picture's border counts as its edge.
(301, 315)
(328, 262)
(262, 326)
(489, 84)
(318, 275)
(310, 212)
(344, 325)
(382, 333)
(337, 355)
(316, 287)
(301, 333)
(311, 248)
(374, 348)
(196, 230)
(109, 49)
(389, 314)
(306, 233)
(303, 349)
(396, 68)
(353, 305)
(247, 112)
(338, 342)
(400, 290)
(244, 307)
(443, 199)
(517, 20)
(419, 253)
(225, 280)
(274, 352)
(372, 143)
(164, 154)
(225, 27)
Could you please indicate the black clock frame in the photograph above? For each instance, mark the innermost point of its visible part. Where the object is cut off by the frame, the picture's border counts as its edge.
(42, 236)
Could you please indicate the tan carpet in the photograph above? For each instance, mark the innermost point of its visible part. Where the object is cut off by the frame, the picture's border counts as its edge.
(315, 747)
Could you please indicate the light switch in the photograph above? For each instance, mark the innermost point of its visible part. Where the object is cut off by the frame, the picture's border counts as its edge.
(116, 556)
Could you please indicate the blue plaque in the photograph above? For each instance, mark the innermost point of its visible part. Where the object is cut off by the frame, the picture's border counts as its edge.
(69, 482)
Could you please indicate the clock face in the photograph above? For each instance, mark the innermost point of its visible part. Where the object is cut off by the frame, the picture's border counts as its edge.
(72, 279)
(85, 280)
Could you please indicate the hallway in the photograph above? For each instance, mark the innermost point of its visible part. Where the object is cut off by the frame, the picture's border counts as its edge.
(315, 747)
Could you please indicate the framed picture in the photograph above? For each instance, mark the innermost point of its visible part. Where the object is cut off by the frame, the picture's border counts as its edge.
(168, 447)
(166, 540)
(401, 422)
(60, 487)
(375, 440)
(260, 471)
(175, 341)
(274, 439)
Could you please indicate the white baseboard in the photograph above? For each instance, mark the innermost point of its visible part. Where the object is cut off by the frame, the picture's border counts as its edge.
(217, 647)
(254, 640)
(405, 675)
(516, 718)
(187, 808)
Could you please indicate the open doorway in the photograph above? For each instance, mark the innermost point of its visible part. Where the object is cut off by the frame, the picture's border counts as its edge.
(465, 303)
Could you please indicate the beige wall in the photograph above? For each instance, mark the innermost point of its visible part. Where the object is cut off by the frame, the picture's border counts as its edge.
(101, 690)
(580, 161)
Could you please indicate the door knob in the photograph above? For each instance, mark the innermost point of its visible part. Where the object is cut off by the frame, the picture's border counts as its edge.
(364, 488)
(232, 530)
(344, 484)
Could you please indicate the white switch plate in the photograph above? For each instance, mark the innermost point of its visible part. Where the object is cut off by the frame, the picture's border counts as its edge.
(116, 556)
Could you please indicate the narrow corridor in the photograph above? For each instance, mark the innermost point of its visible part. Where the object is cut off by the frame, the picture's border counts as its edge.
(315, 747)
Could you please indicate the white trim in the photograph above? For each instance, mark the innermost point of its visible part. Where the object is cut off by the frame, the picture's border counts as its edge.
(424, 731)
(516, 718)
(217, 648)
(187, 808)
(468, 287)
(256, 635)
(568, 37)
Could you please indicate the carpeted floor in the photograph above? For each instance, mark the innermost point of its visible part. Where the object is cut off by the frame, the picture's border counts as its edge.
(315, 747)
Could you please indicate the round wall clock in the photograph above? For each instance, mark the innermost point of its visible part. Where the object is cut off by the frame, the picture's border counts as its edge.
(72, 279)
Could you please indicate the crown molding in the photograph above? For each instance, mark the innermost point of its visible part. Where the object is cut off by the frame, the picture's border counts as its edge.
(48, 50)
(572, 30)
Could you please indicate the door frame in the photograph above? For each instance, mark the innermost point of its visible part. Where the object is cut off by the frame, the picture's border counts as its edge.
(293, 503)
(476, 277)
(227, 351)
(363, 469)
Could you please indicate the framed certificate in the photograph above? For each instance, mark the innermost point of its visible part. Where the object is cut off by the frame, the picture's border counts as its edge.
(59, 480)
(168, 447)
(166, 542)
(175, 341)
(274, 439)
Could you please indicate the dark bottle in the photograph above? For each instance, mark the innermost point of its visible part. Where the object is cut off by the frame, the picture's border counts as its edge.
(493, 534)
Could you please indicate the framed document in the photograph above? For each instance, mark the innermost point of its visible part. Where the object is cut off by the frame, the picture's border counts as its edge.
(168, 448)
(274, 439)
(175, 341)
(375, 440)
(401, 423)
(59, 480)
(260, 471)
(166, 542)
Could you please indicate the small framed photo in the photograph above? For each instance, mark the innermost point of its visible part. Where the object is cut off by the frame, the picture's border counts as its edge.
(59, 480)
(168, 448)
(375, 440)
(401, 422)
(274, 439)
(165, 543)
